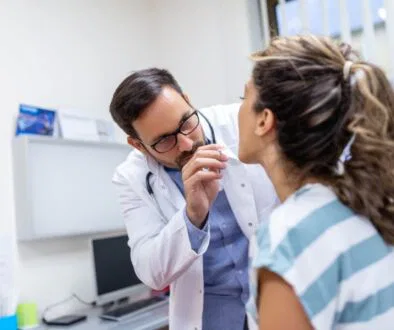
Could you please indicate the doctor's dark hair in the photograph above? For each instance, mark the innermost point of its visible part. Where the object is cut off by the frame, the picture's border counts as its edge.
(137, 92)
(319, 107)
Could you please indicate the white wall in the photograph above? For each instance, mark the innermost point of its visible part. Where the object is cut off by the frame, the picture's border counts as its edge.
(65, 53)
(72, 53)
(381, 48)
(206, 45)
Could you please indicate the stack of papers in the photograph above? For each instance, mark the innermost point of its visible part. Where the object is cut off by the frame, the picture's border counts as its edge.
(75, 127)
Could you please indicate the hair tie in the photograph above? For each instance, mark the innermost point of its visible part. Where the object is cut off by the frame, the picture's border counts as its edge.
(345, 156)
(346, 69)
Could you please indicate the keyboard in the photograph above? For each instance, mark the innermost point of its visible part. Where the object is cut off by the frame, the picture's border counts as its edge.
(123, 311)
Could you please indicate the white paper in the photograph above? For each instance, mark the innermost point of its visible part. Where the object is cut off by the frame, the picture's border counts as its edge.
(232, 158)
(105, 130)
(75, 127)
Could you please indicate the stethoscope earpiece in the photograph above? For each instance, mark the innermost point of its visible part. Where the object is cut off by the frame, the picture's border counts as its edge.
(147, 183)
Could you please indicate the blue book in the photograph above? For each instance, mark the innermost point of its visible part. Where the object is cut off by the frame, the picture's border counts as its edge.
(35, 120)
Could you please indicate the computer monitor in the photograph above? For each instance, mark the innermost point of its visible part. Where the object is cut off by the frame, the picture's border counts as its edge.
(114, 273)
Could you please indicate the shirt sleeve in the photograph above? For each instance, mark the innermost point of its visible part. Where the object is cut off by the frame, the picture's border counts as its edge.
(318, 292)
(197, 236)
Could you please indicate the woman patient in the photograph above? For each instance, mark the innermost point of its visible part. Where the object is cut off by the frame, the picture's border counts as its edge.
(321, 123)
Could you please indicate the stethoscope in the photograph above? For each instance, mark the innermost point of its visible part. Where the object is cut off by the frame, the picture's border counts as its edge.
(149, 174)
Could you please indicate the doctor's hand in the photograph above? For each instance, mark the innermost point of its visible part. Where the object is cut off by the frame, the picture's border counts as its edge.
(201, 176)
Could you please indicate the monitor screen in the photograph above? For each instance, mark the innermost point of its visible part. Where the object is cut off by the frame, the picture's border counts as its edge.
(113, 267)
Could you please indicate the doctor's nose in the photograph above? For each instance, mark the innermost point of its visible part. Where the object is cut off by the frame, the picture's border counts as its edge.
(184, 143)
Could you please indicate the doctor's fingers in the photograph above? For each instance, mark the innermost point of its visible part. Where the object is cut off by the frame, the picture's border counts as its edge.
(201, 176)
(211, 147)
(196, 165)
(206, 153)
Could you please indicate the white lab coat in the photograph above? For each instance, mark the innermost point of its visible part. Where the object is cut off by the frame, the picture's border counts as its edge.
(158, 238)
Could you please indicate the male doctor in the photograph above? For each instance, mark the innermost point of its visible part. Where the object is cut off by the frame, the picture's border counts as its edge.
(189, 205)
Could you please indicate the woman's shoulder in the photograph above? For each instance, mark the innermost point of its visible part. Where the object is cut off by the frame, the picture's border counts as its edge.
(310, 207)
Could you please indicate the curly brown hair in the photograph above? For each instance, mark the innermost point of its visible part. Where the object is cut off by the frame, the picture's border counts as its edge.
(319, 108)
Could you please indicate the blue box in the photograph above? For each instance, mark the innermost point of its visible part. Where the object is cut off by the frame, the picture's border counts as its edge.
(35, 120)
(8, 323)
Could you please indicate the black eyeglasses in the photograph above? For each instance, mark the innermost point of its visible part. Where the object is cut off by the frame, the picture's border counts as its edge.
(168, 142)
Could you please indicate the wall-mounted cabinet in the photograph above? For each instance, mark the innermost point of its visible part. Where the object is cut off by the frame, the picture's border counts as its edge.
(64, 188)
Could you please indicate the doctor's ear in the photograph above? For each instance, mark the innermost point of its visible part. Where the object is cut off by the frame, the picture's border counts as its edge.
(265, 123)
(186, 98)
(135, 143)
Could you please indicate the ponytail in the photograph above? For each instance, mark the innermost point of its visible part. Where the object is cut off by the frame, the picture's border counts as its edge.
(367, 182)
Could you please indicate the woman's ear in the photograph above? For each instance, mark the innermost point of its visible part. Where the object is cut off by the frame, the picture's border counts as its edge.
(265, 122)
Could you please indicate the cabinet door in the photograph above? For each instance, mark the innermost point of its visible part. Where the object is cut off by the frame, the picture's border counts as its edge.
(70, 189)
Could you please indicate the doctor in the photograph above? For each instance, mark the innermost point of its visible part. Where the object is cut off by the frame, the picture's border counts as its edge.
(189, 205)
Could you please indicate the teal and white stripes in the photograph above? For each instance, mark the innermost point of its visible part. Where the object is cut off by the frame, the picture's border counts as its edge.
(337, 263)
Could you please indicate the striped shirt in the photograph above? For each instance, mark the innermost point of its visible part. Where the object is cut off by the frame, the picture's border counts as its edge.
(338, 265)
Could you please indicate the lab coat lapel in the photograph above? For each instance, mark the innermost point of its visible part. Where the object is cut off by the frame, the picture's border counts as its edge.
(239, 192)
(164, 187)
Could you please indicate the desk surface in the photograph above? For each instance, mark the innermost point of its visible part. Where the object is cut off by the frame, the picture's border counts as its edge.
(150, 320)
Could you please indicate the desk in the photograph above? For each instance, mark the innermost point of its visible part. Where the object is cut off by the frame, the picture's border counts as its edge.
(156, 319)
